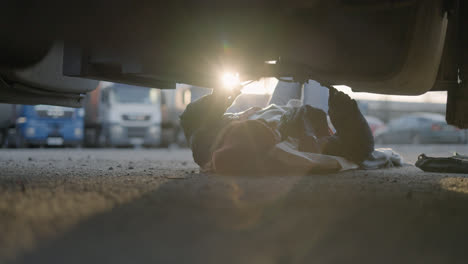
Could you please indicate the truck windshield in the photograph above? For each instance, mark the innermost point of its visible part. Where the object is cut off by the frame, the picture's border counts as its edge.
(54, 111)
(129, 94)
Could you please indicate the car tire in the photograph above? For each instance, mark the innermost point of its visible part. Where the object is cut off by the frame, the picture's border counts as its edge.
(2, 138)
(91, 138)
(21, 143)
(11, 141)
(416, 140)
(103, 139)
(379, 141)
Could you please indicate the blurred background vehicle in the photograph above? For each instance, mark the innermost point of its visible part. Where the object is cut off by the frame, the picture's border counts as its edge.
(173, 103)
(374, 123)
(42, 125)
(419, 128)
(119, 115)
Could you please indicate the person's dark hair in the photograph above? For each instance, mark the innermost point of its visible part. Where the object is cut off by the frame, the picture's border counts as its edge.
(201, 121)
(196, 115)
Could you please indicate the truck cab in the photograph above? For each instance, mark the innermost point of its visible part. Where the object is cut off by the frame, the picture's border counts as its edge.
(46, 125)
(124, 115)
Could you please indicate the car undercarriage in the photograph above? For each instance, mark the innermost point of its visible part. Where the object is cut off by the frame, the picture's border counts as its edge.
(404, 47)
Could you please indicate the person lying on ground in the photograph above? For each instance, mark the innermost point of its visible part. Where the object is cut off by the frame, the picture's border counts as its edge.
(234, 143)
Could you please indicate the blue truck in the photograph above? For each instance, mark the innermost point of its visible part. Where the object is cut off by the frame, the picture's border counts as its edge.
(45, 125)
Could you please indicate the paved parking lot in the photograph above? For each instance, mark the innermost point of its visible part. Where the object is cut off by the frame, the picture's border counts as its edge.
(153, 206)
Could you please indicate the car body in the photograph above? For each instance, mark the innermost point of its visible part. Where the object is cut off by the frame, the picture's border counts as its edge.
(405, 47)
(420, 128)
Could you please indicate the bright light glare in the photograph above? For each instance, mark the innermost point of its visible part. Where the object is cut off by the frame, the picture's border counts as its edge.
(262, 86)
(230, 80)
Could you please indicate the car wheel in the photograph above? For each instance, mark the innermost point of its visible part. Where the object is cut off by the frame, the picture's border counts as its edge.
(91, 138)
(416, 140)
(379, 141)
(20, 142)
(2, 138)
(103, 139)
(11, 140)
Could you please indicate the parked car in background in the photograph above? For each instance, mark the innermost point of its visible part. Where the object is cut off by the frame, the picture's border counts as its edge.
(419, 128)
(375, 124)
(45, 125)
(119, 115)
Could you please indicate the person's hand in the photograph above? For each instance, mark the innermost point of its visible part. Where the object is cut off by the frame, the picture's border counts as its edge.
(338, 99)
(339, 103)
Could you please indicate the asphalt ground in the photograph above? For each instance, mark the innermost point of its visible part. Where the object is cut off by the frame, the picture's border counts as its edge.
(153, 206)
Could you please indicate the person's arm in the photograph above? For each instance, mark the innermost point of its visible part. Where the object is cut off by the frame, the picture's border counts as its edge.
(353, 139)
(202, 119)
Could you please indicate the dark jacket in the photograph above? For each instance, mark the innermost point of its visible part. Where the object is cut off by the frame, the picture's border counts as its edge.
(203, 120)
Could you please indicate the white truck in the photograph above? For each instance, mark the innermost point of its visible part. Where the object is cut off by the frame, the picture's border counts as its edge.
(119, 115)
